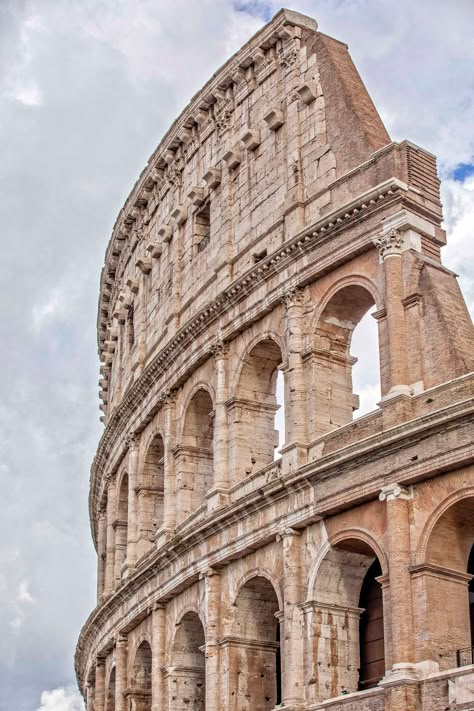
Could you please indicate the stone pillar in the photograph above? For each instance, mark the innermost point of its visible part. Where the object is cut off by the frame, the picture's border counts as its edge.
(291, 636)
(158, 686)
(99, 699)
(133, 448)
(101, 552)
(218, 496)
(121, 658)
(390, 245)
(110, 544)
(120, 534)
(89, 697)
(213, 605)
(168, 400)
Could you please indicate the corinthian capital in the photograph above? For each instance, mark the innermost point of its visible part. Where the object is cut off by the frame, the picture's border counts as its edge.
(133, 440)
(168, 397)
(292, 297)
(220, 348)
(389, 243)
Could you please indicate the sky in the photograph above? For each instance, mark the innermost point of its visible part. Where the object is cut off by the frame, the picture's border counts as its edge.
(87, 89)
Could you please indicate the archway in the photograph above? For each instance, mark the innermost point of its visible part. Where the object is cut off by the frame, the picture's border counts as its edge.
(110, 693)
(187, 674)
(344, 622)
(334, 399)
(150, 495)
(139, 691)
(448, 633)
(121, 528)
(253, 651)
(253, 437)
(195, 454)
(470, 570)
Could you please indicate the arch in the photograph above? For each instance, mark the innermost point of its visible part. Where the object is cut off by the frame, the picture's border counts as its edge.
(444, 570)
(267, 335)
(150, 494)
(343, 577)
(110, 691)
(252, 409)
(195, 453)
(187, 673)
(358, 280)
(121, 524)
(261, 573)
(254, 645)
(200, 385)
(341, 311)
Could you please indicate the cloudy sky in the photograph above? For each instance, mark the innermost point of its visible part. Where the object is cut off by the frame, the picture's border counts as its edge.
(87, 88)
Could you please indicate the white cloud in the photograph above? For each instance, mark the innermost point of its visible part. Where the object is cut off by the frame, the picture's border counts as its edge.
(62, 699)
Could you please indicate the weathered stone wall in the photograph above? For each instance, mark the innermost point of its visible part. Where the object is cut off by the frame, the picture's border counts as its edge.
(274, 214)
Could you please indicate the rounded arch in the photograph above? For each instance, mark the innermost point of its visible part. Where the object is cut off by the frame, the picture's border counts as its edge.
(182, 612)
(258, 572)
(141, 664)
(197, 387)
(355, 280)
(439, 511)
(187, 657)
(267, 335)
(156, 431)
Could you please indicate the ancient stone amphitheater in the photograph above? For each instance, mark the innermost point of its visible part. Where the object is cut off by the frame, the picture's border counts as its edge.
(273, 215)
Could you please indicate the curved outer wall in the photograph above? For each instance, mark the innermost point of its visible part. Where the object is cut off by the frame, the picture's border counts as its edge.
(273, 215)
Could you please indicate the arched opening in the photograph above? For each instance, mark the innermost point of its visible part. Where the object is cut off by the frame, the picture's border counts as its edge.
(280, 413)
(121, 528)
(366, 371)
(139, 691)
(150, 495)
(110, 694)
(187, 677)
(333, 360)
(448, 628)
(371, 633)
(254, 661)
(253, 437)
(344, 618)
(195, 456)
(470, 570)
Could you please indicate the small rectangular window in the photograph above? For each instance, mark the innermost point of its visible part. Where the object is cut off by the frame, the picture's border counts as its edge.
(202, 227)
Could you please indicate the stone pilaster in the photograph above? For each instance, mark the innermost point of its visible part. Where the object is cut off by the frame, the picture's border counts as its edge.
(168, 400)
(401, 606)
(101, 552)
(133, 448)
(109, 582)
(390, 246)
(99, 698)
(218, 496)
(213, 609)
(291, 637)
(121, 658)
(158, 686)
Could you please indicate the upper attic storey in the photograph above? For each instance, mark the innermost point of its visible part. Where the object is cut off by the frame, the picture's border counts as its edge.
(283, 135)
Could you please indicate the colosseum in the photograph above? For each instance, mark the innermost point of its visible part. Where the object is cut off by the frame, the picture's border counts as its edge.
(335, 571)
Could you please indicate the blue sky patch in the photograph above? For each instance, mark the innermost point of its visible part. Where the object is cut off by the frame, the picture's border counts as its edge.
(255, 8)
(463, 171)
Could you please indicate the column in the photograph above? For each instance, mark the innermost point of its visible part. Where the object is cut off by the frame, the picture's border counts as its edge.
(121, 654)
(219, 492)
(158, 686)
(99, 699)
(110, 542)
(168, 400)
(89, 697)
(133, 448)
(101, 552)
(390, 246)
(291, 633)
(212, 580)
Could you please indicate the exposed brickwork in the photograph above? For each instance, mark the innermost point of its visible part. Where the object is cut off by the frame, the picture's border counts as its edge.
(274, 214)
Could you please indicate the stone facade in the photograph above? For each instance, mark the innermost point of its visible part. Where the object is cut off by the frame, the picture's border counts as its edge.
(273, 215)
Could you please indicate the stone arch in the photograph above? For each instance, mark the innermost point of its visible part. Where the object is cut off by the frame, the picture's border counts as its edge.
(341, 310)
(442, 578)
(199, 385)
(110, 690)
(140, 675)
(195, 453)
(254, 646)
(121, 524)
(150, 493)
(267, 334)
(187, 671)
(253, 407)
(339, 655)
(261, 573)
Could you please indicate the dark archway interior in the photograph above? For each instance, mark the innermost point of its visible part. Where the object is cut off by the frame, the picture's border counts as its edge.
(371, 632)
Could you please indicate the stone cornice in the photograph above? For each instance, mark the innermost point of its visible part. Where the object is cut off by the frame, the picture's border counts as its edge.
(325, 468)
(313, 236)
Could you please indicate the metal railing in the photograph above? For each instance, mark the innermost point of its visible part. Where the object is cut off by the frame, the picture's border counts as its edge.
(465, 656)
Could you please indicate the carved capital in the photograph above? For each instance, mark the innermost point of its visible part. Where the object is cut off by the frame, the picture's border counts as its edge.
(220, 349)
(133, 440)
(389, 244)
(168, 397)
(292, 297)
(121, 639)
(394, 491)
